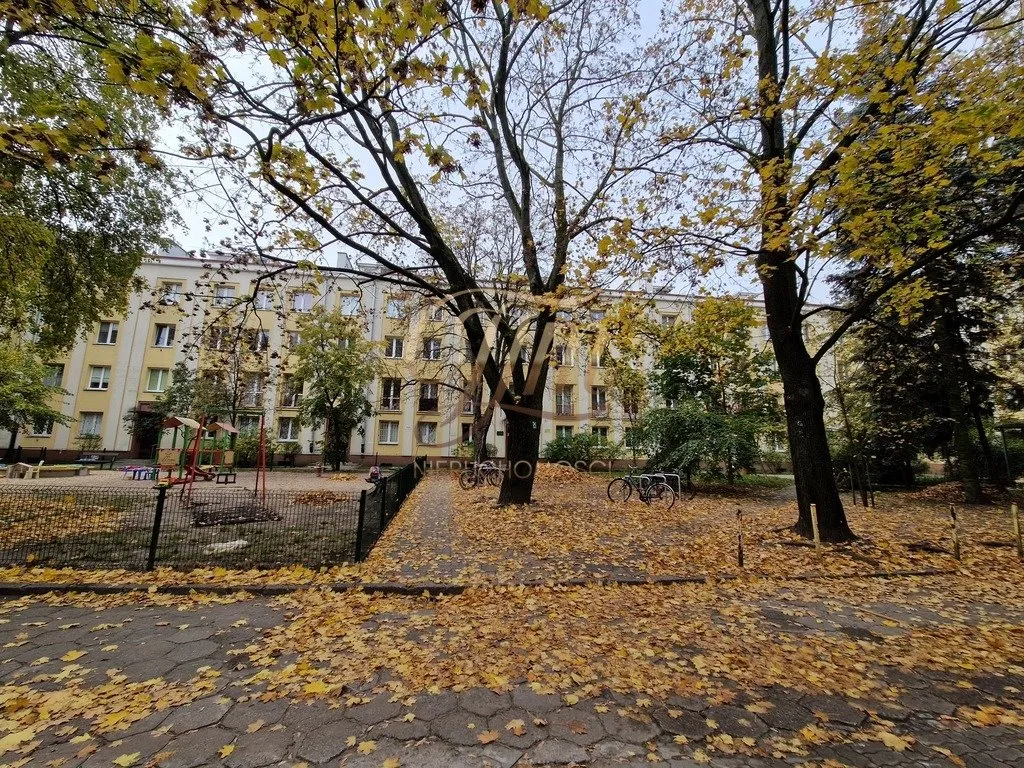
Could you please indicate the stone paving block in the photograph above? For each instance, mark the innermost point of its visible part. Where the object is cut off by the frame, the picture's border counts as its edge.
(305, 716)
(196, 650)
(244, 713)
(634, 730)
(199, 748)
(737, 721)
(616, 750)
(531, 733)
(190, 635)
(494, 755)
(686, 724)
(556, 752)
(146, 744)
(429, 706)
(148, 669)
(263, 748)
(377, 710)
(199, 714)
(835, 708)
(787, 715)
(526, 698)
(145, 725)
(484, 702)
(576, 725)
(454, 727)
(326, 742)
(922, 702)
(402, 730)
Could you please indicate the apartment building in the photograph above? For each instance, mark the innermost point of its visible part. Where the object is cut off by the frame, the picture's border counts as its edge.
(228, 320)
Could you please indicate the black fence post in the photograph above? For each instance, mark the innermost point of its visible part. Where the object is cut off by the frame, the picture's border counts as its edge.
(383, 503)
(359, 528)
(161, 496)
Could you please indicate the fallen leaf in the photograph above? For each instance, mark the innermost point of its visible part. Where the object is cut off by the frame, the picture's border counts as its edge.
(126, 760)
(366, 747)
(518, 727)
(255, 726)
(226, 750)
(488, 736)
(72, 655)
(391, 762)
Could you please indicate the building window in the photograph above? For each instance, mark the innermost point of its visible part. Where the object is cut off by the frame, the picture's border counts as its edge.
(394, 347)
(291, 391)
(99, 377)
(302, 301)
(248, 425)
(437, 314)
(426, 433)
(629, 437)
(599, 401)
(224, 295)
(293, 339)
(668, 320)
(428, 396)
(54, 375)
(630, 406)
(107, 334)
(562, 432)
(259, 340)
(264, 300)
(41, 428)
(218, 338)
(563, 355)
(396, 309)
(390, 395)
(164, 336)
(349, 305)
(597, 315)
(252, 392)
(599, 357)
(432, 348)
(89, 423)
(158, 379)
(563, 400)
(288, 428)
(388, 433)
(469, 403)
(170, 293)
(601, 433)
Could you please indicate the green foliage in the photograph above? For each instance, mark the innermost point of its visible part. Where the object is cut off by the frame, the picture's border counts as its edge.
(689, 438)
(82, 197)
(336, 364)
(467, 450)
(25, 396)
(247, 448)
(581, 450)
(187, 395)
(88, 443)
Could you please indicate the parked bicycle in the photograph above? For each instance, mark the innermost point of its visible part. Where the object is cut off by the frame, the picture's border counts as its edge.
(648, 487)
(486, 472)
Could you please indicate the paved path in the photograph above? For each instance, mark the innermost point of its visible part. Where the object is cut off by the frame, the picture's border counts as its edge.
(232, 719)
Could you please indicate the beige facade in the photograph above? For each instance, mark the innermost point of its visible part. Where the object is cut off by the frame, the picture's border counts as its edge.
(225, 320)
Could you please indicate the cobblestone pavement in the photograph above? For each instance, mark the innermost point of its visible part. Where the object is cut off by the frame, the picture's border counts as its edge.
(238, 722)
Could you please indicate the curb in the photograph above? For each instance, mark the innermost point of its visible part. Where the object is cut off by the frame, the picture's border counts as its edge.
(15, 589)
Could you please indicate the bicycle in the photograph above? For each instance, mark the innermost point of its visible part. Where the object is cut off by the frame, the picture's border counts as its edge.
(486, 472)
(621, 488)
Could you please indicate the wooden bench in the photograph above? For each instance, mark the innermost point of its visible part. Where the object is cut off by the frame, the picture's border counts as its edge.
(97, 459)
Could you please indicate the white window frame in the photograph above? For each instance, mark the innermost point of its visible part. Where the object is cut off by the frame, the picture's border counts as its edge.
(102, 382)
(252, 396)
(668, 320)
(85, 418)
(348, 305)
(223, 295)
(436, 314)
(391, 401)
(291, 391)
(260, 340)
(55, 375)
(601, 433)
(293, 431)
(110, 337)
(388, 426)
(396, 309)
(394, 347)
(421, 438)
(302, 301)
(432, 348)
(293, 338)
(263, 300)
(163, 379)
(562, 354)
(248, 424)
(563, 430)
(599, 400)
(170, 293)
(563, 395)
(48, 427)
(165, 329)
(428, 387)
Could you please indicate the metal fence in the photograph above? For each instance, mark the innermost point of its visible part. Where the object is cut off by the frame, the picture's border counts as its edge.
(139, 528)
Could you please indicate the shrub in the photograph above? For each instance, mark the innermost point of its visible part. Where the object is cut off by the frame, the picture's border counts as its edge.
(581, 450)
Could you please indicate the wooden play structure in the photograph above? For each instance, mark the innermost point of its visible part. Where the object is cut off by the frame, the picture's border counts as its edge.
(205, 453)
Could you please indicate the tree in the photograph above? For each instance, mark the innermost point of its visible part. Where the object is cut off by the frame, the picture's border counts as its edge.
(336, 365)
(711, 362)
(787, 107)
(25, 397)
(83, 199)
(365, 122)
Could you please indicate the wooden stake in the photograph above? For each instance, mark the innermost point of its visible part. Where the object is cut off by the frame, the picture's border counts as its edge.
(739, 523)
(814, 526)
(956, 532)
(1016, 531)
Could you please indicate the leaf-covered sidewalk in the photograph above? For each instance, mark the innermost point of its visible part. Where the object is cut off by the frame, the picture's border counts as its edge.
(907, 673)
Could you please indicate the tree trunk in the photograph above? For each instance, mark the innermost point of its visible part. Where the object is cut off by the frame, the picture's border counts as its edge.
(805, 410)
(522, 447)
(952, 360)
(9, 457)
(481, 425)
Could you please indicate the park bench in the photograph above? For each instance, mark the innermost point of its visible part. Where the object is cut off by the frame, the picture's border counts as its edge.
(97, 460)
